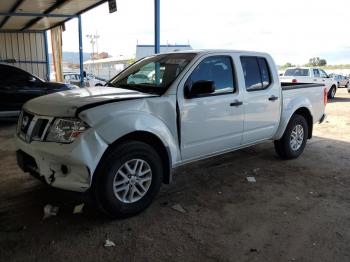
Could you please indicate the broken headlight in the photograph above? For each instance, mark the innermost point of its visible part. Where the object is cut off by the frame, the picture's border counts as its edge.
(66, 130)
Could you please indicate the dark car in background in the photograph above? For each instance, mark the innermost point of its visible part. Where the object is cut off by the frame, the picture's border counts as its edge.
(18, 86)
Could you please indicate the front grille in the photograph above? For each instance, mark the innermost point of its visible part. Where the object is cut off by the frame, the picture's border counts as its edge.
(33, 127)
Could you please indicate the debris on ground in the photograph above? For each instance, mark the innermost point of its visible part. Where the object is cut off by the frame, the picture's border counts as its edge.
(253, 250)
(255, 170)
(78, 209)
(285, 213)
(220, 193)
(109, 243)
(251, 179)
(50, 210)
(179, 208)
(297, 198)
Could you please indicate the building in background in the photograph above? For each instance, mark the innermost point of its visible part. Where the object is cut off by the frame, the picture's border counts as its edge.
(147, 50)
(106, 68)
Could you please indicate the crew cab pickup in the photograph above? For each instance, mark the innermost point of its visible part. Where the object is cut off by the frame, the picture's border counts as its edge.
(310, 75)
(122, 142)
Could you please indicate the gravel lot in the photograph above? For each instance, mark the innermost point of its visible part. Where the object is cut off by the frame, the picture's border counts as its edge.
(296, 211)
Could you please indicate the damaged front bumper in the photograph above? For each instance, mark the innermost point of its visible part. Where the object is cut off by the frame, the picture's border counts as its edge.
(64, 166)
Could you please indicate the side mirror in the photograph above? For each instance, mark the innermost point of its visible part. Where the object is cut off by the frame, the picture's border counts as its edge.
(199, 88)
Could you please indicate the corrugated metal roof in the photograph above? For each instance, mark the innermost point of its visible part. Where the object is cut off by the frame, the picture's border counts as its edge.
(51, 7)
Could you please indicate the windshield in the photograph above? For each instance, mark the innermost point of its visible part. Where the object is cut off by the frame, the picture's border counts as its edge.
(153, 74)
(297, 72)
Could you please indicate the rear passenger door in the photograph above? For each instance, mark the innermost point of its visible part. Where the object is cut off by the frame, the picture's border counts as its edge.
(214, 122)
(262, 102)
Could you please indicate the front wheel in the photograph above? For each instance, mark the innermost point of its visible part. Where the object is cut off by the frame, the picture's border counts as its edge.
(293, 141)
(128, 179)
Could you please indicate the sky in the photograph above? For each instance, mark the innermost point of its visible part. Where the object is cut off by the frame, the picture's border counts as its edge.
(290, 30)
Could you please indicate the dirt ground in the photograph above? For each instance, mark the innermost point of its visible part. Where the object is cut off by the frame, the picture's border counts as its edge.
(297, 210)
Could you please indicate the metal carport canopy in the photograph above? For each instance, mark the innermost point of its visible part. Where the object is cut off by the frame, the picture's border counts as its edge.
(34, 16)
(42, 15)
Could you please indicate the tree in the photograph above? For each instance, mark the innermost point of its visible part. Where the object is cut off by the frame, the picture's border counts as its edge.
(322, 62)
(286, 65)
(316, 61)
(131, 61)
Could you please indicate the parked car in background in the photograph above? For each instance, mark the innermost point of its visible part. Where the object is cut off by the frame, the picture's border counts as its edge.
(98, 81)
(18, 86)
(310, 75)
(122, 141)
(341, 80)
(139, 78)
(89, 80)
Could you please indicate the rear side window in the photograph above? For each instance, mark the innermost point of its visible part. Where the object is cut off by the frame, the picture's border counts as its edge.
(297, 72)
(256, 73)
(264, 70)
(217, 69)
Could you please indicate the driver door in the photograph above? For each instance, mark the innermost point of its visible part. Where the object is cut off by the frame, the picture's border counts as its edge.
(213, 122)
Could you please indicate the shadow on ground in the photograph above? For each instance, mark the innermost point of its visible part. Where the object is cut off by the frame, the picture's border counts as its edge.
(297, 210)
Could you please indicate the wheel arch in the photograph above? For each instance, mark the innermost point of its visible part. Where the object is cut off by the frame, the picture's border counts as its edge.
(305, 112)
(153, 141)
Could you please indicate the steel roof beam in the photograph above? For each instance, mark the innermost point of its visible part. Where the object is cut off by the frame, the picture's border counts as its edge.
(38, 15)
(13, 9)
(47, 11)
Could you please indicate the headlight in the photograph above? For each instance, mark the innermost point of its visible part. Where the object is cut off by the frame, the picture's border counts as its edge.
(66, 130)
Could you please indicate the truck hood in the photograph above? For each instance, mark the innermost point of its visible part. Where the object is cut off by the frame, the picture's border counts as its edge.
(69, 103)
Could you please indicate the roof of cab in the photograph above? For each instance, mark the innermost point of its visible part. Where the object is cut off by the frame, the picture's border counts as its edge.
(216, 51)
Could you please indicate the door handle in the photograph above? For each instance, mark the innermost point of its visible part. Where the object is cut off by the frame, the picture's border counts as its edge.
(273, 98)
(236, 103)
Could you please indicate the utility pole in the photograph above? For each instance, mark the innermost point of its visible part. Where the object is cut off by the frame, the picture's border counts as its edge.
(93, 41)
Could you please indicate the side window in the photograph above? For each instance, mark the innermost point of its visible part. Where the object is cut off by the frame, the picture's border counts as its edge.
(323, 74)
(218, 69)
(316, 73)
(265, 74)
(256, 73)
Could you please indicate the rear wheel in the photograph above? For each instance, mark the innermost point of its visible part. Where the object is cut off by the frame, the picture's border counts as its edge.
(332, 91)
(128, 179)
(293, 141)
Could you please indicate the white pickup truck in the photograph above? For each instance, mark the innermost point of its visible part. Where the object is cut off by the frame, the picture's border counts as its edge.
(121, 142)
(310, 75)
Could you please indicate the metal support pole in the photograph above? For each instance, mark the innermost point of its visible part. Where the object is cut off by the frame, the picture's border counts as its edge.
(156, 26)
(47, 57)
(81, 52)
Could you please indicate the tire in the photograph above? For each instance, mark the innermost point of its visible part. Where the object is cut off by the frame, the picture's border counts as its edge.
(331, 93)
(284, 147)
(113, 171)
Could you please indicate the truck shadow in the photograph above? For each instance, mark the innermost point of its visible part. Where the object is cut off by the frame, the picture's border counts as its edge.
(339, 99)
(195, 186)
